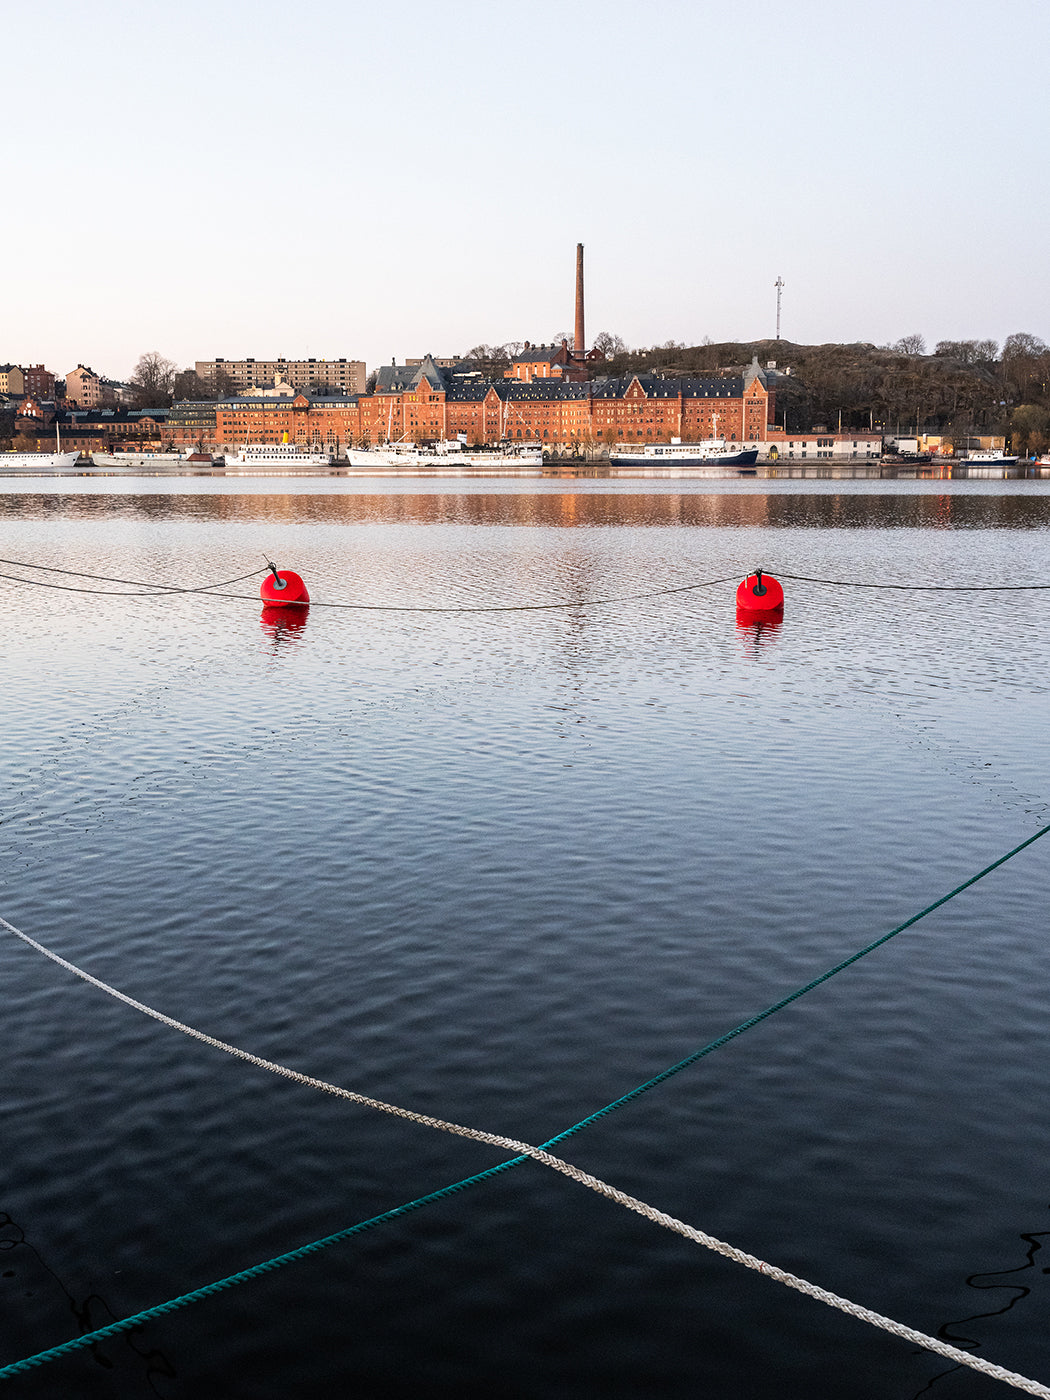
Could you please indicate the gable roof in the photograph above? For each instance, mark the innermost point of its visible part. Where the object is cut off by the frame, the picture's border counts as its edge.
(401, 379)
(538, 354)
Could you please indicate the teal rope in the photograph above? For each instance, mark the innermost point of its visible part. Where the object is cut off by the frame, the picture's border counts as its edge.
(271, 1265)
(786, 1001)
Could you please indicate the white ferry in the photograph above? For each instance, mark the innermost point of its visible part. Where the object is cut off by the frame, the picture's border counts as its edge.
(140, 463)
(40, 461)
(448, 457)
(710, 453)
(275, 459)
(37, 461)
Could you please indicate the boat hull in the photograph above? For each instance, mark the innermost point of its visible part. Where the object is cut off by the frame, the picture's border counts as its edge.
(37, 461)
(422, 461)
(277, 460)
(126, 464)
(675, 457)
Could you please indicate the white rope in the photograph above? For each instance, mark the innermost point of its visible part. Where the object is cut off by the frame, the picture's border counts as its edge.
(547, 1159)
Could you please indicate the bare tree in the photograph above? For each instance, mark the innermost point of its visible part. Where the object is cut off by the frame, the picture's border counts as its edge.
(1022, 344)
(490, 359)
(222, 386)
(1029, 428)
(1025, 368)
(188, 384)
(609, 344)
(968, 352)
(914, 344)
(152, 380)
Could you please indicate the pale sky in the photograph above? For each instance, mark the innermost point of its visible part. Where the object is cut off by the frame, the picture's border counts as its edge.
(381, 180)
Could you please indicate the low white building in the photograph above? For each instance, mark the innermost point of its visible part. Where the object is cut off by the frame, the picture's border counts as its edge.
(813, 447)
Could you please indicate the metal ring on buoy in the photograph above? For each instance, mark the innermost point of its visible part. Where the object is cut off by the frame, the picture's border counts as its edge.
(759, 596)
(283, 589)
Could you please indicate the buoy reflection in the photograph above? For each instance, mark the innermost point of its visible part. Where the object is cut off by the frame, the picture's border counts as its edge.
(757, 632)
(282, 623)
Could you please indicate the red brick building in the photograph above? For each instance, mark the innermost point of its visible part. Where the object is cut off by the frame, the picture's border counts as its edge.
(39, 382)
(95, 430)
(551, 362)
(425, 403)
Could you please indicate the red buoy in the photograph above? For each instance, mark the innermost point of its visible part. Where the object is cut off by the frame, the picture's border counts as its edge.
(282, 590)
(759, 598)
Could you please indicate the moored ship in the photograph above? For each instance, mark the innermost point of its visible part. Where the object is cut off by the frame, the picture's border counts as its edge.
(37, 461)
(448, 457)
(140, 463)
(990, 463)
(990, 457)
(275, 459)
(40, 461)
(710, 453)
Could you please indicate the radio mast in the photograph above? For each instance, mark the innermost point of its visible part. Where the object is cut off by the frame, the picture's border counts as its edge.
(779, 284)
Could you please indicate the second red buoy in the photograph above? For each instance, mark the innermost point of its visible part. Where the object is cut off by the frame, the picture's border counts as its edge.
(281, 590)
(759, 596)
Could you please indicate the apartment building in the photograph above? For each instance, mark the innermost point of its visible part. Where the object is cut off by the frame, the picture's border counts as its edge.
(83, 387)
(12, 380)
(318, 376)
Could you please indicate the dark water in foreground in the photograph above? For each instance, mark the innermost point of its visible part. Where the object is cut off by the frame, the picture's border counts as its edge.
(501, 868)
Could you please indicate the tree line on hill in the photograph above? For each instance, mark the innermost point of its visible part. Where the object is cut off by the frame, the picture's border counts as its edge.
(962, 388)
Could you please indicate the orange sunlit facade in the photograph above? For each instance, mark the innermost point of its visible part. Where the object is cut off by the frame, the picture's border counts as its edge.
(639, 409)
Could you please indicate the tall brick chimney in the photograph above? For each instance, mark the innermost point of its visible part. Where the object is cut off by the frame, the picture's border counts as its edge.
(579, 343)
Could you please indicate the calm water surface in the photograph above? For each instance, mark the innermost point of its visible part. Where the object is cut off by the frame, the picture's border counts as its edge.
(502, 867)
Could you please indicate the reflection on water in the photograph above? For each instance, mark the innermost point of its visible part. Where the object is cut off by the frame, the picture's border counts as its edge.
(25, 1274)
(757, 635)
(1001, 1281)
(283, 624)
(573, 509)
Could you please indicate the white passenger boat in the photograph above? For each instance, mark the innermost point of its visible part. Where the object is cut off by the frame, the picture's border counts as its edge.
(40, 461)
(37, 461)
(711, 453)
(448, 457)
(275, 459)
(141, 463)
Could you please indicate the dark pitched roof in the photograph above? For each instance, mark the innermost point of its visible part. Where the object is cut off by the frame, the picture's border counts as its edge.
(400, 379)
(537, 354)
(654, 386)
